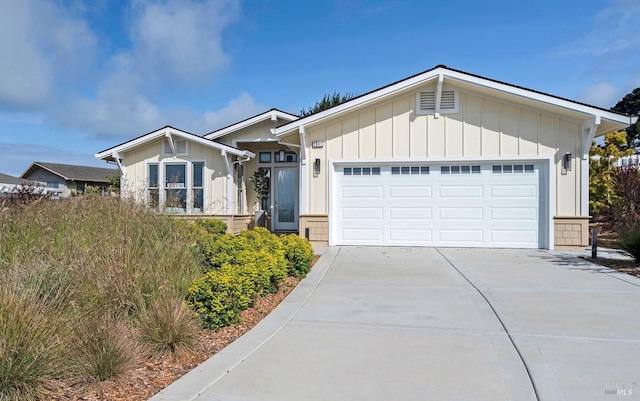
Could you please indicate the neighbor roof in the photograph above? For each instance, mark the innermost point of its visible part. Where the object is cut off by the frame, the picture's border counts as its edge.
(108, 154)
(612, 120)
(9, 179)
(70, 172)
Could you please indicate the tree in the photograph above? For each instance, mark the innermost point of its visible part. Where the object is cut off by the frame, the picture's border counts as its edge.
(601, 171)
(630, 104)
(327, 102)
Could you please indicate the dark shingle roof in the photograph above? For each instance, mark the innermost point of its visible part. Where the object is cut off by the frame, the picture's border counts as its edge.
(9, 179)
(75, 173)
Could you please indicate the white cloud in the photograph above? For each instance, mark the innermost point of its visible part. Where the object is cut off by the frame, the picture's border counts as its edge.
(46, 41)
(179, 39)
(603, 94)
(25, 80)
(238, 109)
(615, 30)
(120, 109)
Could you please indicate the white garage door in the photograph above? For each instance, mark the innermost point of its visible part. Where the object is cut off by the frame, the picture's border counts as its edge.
(470, 205)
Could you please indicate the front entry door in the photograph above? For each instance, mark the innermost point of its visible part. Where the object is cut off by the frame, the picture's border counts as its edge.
(286, 199)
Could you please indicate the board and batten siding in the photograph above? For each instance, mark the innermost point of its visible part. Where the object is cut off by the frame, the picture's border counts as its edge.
(215, 172)
(483, 127)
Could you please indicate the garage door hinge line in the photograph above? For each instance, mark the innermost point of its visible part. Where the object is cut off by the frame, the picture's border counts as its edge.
(524, 363)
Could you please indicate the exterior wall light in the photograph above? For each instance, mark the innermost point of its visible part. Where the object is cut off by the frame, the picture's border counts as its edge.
(316, 167)
(566, 161)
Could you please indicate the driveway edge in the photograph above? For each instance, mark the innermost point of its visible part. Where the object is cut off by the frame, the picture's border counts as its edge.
(198, 380)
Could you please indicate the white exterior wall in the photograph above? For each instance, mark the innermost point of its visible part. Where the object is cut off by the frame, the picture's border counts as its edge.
(483, 127)
(214, 176)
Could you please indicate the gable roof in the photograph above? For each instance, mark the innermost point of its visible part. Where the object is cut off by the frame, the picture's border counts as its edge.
(9, 179)
(272, 114)
(611, 120)
(109, 154)
(70, 172)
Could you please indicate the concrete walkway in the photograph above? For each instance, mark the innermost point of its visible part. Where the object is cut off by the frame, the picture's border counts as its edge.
(436, 324)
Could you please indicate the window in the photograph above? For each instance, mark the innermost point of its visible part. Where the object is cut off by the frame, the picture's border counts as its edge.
(152, 186)
(361, 170)
(176, 188)
(265, 157)
(513, 168)
(53, 184)
(457, 170)
(197, 187)
(410, 170)
(426, 102)
(289, 157)
(180, 146)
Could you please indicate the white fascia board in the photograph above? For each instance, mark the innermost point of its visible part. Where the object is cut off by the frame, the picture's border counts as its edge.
(174, 132)
(386, 91)
(537, 96)
(448, 74)
(272, 115)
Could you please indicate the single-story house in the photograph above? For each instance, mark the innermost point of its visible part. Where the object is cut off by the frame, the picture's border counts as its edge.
(9, 185)
(442, 158)
(70, 179)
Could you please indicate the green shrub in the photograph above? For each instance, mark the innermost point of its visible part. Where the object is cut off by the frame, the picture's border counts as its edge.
(33, 328)
(167, 327)
(103, 348)
(212, 226)
(220, 296)
(298, 253)
(630, 241)
(241, 268)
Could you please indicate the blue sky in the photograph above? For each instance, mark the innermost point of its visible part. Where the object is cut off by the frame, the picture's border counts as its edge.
(77, 77)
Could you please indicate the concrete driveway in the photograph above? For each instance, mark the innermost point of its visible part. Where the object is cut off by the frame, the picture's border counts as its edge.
(437, 324)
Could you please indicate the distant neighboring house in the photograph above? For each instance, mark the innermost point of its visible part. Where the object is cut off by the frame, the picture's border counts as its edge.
(69, 178)
(10, 184)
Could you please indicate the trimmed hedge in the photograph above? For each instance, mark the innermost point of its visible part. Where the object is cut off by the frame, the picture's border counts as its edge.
(240, 268)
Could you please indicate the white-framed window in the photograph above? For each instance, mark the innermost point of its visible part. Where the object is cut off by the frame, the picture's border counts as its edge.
(361, 171)
(152, 193)
(409, 170)
(426, 101)
(176, 186)
(182, 148)
(459, 170)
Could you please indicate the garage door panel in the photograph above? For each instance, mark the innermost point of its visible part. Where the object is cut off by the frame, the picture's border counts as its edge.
(410, 235)
(461, 236)
(514, 191)
(361, 235)
(460, 213)
(409, 213)
(513, 236)
(460, 191)
(423, 192)
(359, 213)
(514, 213)
(484, 208)
(362, 192)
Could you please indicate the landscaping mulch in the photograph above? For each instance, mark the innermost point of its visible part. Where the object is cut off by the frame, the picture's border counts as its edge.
(150, 377)
(627, 266)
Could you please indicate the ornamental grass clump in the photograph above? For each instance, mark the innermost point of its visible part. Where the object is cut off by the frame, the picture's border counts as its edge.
(77, 278)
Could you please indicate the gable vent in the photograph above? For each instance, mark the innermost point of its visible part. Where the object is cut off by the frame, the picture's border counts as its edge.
(427, 102)
(180, 144)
